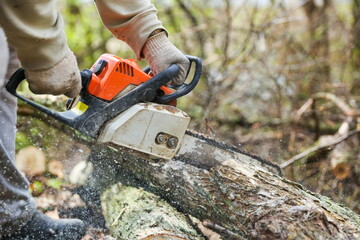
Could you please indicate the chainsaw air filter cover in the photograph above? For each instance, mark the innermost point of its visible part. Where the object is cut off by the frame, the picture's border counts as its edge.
(148, 127)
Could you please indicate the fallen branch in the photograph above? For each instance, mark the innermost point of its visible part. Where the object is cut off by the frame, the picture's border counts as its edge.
(318, 147)
(341, 104)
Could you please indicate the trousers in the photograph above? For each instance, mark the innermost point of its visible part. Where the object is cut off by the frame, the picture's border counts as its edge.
(16, 204)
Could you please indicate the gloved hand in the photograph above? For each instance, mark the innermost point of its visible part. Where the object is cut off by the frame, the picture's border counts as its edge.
(63, 78)
(161, 53)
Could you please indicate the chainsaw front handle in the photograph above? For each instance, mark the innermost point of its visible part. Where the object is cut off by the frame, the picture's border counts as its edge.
(183, 89)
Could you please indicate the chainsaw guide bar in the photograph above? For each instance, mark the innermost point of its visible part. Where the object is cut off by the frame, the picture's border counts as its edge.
(212, 145)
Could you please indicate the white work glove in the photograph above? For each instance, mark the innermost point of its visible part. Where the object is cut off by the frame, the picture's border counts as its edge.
(63, 78)
(161, 53)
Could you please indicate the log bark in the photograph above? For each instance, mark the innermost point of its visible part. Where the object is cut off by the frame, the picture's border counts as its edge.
(242, 198)
(133, 213)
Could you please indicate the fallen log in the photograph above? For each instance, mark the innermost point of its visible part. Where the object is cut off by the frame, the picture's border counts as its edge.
(237, 193)
(240, 197)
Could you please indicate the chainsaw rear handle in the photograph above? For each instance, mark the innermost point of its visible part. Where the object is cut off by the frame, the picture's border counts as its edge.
(19, 75)
(14, 83)
(15, 80)
(98, 111)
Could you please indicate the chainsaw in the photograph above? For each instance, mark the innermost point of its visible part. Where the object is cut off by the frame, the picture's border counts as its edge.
(123, 105)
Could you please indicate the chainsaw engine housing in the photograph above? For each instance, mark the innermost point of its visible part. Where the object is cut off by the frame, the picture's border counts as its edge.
(148, 127)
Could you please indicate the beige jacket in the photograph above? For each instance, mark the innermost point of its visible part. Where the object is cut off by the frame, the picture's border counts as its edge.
(35, 27)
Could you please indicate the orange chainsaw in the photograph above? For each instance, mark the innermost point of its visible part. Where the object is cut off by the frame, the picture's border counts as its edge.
(113, 77)
(123, 104)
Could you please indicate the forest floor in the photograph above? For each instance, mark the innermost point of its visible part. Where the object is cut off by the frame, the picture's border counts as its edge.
(64, 203)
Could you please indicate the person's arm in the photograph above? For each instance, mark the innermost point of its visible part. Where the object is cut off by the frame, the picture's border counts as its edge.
(136, 23)
(131, 21)
(35, 29)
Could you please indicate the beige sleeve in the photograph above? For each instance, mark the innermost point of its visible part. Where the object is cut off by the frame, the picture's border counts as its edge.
(35, 29)
(131, 21)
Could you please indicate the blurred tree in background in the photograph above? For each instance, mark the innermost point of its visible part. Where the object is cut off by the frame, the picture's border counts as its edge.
(355, 51)
(280, 80)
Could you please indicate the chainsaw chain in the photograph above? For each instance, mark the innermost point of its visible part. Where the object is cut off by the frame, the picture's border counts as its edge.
(227, 147)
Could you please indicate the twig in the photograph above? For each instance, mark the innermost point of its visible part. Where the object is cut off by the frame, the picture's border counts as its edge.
(118, 217)
(223, 231)
(303, 109)
(344, 107)
(316, 148)
(194, 22)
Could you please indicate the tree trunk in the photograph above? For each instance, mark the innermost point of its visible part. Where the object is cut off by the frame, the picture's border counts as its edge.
(241, 197)
(355, 53)
(318, 26)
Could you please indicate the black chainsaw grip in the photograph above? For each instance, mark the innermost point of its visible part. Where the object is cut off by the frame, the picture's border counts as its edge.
(15, 81)
(184, 88)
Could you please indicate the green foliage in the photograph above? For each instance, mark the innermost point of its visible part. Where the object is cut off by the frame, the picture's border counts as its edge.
(55, 183)
(85, 32)
(22, 141)
(87, 37)
(36, 188)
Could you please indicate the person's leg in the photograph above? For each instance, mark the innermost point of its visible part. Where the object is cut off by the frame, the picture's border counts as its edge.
(8, 105)
(19, 218)
(16, 205)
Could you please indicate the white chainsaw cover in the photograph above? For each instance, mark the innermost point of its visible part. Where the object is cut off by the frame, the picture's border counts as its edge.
(138, 127)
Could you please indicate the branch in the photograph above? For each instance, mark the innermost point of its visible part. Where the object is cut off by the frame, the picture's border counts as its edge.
(316, 148)
(344, 107)
(341, 104)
